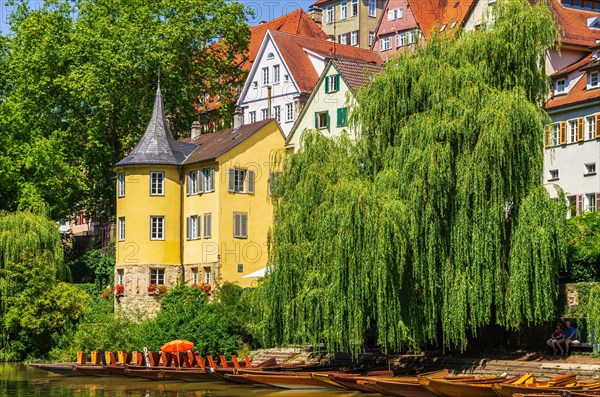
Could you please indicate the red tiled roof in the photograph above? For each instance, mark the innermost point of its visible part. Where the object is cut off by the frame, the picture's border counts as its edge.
(436, 13)
(574, 24)
(293, 49)
(577, 94)
(355, 73)
(297, 22)
(213, 145)
(574, 66)
(319, 2)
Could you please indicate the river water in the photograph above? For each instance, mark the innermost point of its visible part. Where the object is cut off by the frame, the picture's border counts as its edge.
(20, 380)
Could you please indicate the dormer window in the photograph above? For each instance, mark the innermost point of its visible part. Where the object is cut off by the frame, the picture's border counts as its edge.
(453, 25)
(560, 86)
(443, 28)
(594, 80)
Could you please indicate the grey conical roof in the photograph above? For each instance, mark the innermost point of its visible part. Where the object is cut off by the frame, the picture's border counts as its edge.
(157, 145)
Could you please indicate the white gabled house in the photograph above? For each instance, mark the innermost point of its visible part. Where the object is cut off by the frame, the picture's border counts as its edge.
(285, 72)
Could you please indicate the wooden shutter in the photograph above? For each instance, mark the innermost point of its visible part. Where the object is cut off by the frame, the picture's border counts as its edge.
(597, 202)
(207, 225)
(597, 122)
(187, 228)
(328, 122)
(342, 115)
(336, 82)
(579, 204)
(316, 120)
(327, 84)
(212, 180)
(250, 181)
(580, 129)
(244, 225)
(231, 180)
(188, 179)
(563, 132)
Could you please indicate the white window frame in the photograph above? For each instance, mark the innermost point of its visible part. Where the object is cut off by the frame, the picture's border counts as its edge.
(276, 73)
(329, 15)
(289, 112)
(354, 8)
(593, 80)
(412, 34)
(590, 127)
(157, 227)
(121, 185)
(207, 225)
(239, 180)
(192, 227)
(330, 83)
(277, 113)
(157, 183)
(121, 228)
(560, 86)
(264, 113)
(386, 43)
(240, 225)
(590, 202)
(344, 38)
(208, 179)
(371, 38)
(324, 125)
(207, 275)
(344, 10)
(252, 117)
(265, 76)
(120, 277)
(194, 276)
(157, 276)
(555, 134)
(373, 8)
(354, 37)
(554, 175)
(572, 131)
(590, 169)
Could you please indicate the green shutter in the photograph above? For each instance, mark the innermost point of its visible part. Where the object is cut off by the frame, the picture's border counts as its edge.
(336, 82)
(328, 123)
(342, 117)
(326, 84)
(316, 120)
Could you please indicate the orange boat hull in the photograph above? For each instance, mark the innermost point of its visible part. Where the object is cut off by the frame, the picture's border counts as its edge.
(288, 381)
(443, 388)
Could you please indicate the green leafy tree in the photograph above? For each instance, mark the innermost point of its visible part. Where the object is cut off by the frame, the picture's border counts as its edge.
(436, 222)
(77, 92)
(34, 305)
(583, 248)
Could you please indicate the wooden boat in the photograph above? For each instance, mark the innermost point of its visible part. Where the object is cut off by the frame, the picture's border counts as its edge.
(146, 373)
(241, 379)
(288, 381)
(92, 370)
(449, 388)
(506, 390)
(361, 382)
(189, 374)
(391, 387)
(65, 369)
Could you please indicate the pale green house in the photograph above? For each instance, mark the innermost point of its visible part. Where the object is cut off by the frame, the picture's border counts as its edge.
(330, 104)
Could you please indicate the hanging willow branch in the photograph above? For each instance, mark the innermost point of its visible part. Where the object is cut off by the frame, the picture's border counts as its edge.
(435, 222)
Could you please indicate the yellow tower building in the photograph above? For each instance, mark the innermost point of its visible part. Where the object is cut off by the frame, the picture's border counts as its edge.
(196, 211)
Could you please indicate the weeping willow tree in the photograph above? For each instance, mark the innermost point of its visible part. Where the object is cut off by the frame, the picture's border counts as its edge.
(435, 223)
(31, 262)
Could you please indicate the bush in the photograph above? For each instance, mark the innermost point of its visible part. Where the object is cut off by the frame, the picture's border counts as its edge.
(583, 257)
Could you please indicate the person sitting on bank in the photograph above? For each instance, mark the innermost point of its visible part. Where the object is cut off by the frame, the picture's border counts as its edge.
(555, 338)
(569, 337)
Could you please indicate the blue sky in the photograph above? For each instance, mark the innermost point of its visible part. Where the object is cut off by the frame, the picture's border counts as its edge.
(264, 10)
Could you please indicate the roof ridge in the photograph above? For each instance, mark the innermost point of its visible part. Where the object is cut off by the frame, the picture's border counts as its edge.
(298, 11)
(324, 41)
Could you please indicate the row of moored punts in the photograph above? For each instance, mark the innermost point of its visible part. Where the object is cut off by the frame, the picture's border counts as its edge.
(192, 367)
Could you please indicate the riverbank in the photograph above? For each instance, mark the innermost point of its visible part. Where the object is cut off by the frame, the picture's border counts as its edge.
(512, 363)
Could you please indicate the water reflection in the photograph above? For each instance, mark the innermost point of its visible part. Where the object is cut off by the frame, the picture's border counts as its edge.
(18, 380)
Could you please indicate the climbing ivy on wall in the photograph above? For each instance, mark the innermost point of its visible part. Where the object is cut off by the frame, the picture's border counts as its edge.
(435, 222)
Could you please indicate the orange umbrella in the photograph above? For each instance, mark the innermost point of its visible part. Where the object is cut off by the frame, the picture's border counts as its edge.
(176, 346)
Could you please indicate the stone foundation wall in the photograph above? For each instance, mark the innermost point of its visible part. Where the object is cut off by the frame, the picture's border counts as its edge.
(136, 301)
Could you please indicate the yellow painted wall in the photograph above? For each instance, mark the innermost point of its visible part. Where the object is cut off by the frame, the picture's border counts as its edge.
(255, 154)
(203, 250)
(137, 206)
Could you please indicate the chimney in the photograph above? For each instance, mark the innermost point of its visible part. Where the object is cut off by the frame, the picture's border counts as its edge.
(196, 129)
(238, 118)
(316, 15)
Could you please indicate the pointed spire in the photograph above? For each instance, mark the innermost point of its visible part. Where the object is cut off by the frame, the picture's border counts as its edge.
(157, 145)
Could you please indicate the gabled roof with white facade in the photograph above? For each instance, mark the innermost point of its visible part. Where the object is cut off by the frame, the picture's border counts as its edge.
(354, 74)
(577, 80)
(299, 54)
